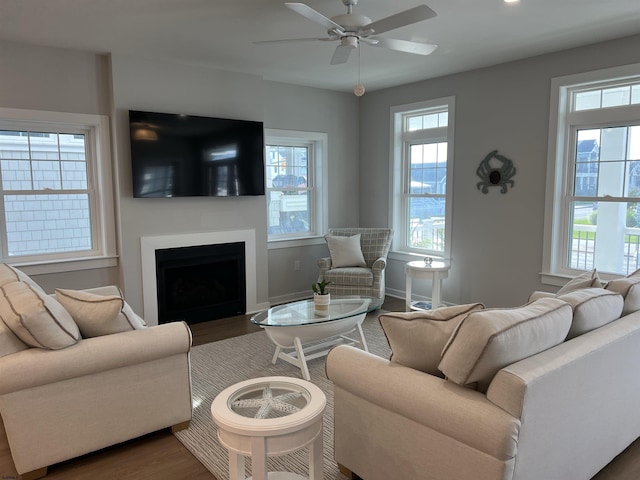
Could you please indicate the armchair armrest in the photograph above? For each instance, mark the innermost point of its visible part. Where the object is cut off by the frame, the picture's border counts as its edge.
(441, 406)
(379, 265)
(324, 264)
(37, 366)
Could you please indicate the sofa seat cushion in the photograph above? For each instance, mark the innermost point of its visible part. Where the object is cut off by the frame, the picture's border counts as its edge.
(97, 314)
(629, 287)
(350, 276)
(417, 338)
(36, 318)
(592, 308)
(487, 340)
(345, 251)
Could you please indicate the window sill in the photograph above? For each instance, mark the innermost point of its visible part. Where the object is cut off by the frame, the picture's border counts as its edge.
(60, 266)
(295, 242)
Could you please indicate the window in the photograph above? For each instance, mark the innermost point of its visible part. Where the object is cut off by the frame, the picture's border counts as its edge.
(422, 155)
(57, 200)
(593, 215)
(295, 163)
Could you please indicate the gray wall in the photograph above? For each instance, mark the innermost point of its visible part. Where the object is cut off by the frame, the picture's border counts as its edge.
(496, 238)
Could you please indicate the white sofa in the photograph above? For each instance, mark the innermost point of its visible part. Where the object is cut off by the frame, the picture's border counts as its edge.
(60, 403)
(561, 414)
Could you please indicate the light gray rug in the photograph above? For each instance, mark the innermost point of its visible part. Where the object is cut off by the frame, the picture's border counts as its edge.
(215, 366)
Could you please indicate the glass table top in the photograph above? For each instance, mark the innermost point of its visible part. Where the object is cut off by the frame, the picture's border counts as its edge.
(303, 312)
(269, 399)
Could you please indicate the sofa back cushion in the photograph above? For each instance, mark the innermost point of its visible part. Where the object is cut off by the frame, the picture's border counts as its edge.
(36, 318)
(488, 340)
(592, 308)
(9, 342)
(417, 338)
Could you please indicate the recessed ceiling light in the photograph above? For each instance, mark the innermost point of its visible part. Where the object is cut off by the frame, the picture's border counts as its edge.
(511, 1)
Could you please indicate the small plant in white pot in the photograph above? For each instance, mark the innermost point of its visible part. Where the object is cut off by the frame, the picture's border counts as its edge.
(321, 298)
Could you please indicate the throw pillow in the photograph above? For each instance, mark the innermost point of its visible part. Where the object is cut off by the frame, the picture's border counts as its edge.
(345, 251)
(629, 287)
(584, 280)
(98, 315)
(9, 342)
(417, 338)
(38, 320)
(488, 340)
(592, 308)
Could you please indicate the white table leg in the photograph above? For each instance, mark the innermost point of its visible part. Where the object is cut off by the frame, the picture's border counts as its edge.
(236, 466)
(276, 354)
(435, 290)
(301, 359)
(316, 460)
(259, 458)
(408, 292)
(363, 341)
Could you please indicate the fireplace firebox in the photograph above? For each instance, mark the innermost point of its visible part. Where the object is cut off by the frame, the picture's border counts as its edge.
(201, 283)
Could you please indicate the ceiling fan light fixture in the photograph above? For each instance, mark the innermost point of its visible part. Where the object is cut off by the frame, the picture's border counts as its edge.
(359, 90)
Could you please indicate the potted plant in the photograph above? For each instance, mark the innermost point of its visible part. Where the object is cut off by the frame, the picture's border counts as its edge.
(321, 298)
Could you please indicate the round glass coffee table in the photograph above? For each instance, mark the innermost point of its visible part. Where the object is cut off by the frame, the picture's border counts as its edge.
(270, 416)
(300, 334)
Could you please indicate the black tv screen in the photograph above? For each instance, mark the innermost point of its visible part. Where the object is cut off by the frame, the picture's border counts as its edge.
(191, 156)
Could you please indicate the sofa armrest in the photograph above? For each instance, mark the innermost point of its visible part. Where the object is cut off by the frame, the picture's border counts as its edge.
(442, 406)
(36, 366)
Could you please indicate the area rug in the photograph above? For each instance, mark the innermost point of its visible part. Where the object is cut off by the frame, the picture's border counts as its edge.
(217, 365)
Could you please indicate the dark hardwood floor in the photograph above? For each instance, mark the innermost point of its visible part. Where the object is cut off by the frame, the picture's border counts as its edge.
(160, 456)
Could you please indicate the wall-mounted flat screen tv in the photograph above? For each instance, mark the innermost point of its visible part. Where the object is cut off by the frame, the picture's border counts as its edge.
(191, 156)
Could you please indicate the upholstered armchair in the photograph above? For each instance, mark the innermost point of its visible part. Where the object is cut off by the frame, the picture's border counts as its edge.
(363, 277)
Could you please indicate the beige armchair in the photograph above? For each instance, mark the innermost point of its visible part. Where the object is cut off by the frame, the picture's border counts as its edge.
(360, 280)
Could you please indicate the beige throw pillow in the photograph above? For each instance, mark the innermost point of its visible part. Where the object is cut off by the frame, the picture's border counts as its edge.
(592, 308)
(629, 288)
(417, 338)
(345, 251)
(488, 340)
(37, 319)
(584, 280)
(9, 342)
(98, 315)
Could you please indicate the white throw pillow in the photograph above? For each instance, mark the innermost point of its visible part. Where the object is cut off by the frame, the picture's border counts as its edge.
(488, 340)
(98, 315)
(36, 319)
(592, 308)
(345, 251)
(584, 280)
(417, 338)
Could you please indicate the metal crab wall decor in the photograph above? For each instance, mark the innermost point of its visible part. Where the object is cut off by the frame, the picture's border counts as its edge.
(495, 170)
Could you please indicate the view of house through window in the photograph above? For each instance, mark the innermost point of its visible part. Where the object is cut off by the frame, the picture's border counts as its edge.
(56, 203)
(293, 176)
(45, 196)
(423, 155)
(597, 176)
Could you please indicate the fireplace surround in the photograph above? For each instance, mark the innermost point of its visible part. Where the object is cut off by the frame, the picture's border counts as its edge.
(150, 245)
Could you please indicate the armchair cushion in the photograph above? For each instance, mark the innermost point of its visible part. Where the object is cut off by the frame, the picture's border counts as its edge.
(350, 276)
(345, 251)
(97, 314)
(417, 338)
(36, 318)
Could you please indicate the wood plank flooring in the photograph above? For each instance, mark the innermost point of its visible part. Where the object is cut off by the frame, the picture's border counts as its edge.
(160, 456)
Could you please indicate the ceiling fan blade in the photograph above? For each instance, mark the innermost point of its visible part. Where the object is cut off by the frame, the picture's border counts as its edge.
(404, 45)
(413, 15)
(341, 54)
(286, 40)
(314, 16)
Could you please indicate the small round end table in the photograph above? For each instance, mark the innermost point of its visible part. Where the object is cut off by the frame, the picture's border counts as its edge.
(270, 416)
(435, 271)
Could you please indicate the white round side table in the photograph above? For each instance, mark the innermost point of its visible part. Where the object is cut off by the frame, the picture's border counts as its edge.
(436, 271)
(270, 416)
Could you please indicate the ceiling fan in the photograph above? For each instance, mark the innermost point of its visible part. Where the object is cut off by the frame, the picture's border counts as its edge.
(351, 29)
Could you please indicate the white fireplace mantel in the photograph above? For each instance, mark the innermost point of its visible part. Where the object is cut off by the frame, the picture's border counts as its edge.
(149, 245)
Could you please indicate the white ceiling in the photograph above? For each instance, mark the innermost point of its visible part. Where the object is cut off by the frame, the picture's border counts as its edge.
(220, 33)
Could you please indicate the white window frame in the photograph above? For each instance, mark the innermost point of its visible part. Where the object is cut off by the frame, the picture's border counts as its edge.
(399, 158)
(99, 182)
(318, 194)
(563, 125)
